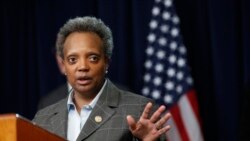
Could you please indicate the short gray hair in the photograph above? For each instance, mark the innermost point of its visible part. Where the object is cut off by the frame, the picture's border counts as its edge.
(85, 24)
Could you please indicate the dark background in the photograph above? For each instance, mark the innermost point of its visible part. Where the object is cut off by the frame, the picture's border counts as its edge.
(215, 32)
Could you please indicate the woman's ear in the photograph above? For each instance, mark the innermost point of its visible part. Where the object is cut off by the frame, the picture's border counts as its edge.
(60, 64)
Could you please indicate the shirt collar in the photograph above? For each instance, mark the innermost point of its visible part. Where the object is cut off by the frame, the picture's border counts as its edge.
(69, 87)
(70, 103)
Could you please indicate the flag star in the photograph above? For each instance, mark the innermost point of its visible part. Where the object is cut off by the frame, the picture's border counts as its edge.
(168, 98)
(179, 89)
(156, 94)
(172, 59)
(179, 75)
(173, 45)
(157, 81)
(148, 64)
(160, 54)
(162, 41)
(189, 80)
(147, 77)
(151, 37)
(176, 19)
(164, 28)
(174, 32)
(181, 62)
(156, 11)
(169, 85)
(145, 91)
(168, 3)
(182, 49)
(150, 51)
(158, 67)
(153, 24)
(171, 72)
(166, 15)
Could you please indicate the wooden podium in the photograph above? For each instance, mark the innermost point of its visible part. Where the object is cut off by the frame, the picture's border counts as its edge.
(14, 127)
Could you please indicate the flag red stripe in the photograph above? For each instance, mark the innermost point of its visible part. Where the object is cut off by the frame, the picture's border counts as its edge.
(175, 111)
(193, 101)
(191, 95)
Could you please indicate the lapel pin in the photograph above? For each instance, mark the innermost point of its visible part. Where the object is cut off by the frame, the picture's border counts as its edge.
(98, 119)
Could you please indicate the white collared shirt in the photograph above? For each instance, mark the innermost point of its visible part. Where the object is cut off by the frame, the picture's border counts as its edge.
(76, 121)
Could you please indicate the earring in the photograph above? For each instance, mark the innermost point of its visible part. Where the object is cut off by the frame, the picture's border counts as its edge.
(106, 70)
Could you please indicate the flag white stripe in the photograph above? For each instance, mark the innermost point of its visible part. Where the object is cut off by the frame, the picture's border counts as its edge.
(173, 134)
(190, 121)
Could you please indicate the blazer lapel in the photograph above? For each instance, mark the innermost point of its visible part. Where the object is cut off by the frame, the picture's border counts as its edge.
(59, 122)
(102, 111)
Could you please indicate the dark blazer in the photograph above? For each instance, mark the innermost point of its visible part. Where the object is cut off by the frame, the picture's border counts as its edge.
(113, 106)
(53, 97)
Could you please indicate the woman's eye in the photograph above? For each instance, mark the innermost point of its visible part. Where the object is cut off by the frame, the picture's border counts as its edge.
(72, 60)
(94, 58)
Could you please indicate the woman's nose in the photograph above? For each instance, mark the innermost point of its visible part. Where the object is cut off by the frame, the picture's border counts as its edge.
(83, 65)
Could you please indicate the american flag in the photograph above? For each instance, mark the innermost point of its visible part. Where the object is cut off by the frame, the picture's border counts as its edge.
(167, 77)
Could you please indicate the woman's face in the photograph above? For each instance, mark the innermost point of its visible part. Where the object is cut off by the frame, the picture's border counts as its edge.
(85, 62)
